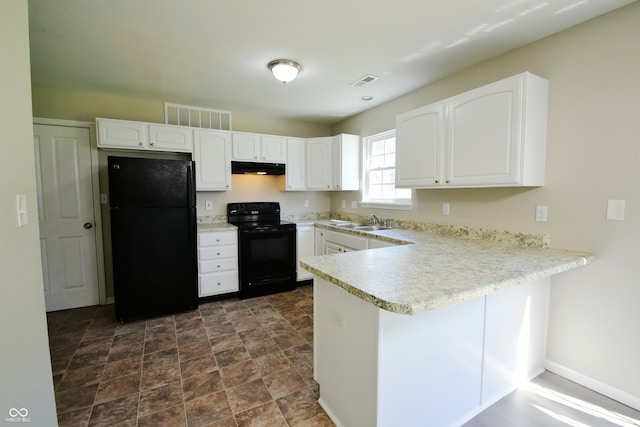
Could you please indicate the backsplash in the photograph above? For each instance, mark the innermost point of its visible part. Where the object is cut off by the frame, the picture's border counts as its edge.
(462, 232)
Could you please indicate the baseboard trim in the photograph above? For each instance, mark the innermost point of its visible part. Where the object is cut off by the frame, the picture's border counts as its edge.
(111, 300)
(595, 385)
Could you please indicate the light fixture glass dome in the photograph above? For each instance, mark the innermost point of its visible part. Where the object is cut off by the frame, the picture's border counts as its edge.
(284, 70)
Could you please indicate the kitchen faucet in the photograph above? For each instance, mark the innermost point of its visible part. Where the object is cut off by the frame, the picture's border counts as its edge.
(376, 220)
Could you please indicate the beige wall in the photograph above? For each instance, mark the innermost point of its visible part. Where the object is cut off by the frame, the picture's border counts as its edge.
(25, 366)
(592, 156)
(86, 106)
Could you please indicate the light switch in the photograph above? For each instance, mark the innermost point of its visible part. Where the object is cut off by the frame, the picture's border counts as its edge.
(208, 205)
(21, 207)
(615, 210)
(445, 209)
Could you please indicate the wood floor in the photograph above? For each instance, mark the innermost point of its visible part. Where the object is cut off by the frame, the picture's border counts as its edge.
(550, 401)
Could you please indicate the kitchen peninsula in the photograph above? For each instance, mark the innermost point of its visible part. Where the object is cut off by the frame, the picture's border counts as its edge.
(429, 333)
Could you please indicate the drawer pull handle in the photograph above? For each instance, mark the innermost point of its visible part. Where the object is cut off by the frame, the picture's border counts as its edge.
(217, 253)
(219, 283)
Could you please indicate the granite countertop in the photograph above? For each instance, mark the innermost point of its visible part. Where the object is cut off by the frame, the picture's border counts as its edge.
(217, 226)
(429, 270)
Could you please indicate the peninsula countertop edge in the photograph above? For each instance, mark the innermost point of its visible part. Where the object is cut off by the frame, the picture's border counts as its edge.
(429, 270)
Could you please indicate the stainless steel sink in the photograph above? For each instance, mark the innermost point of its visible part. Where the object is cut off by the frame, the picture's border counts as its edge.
(371, 227)
(347, 224)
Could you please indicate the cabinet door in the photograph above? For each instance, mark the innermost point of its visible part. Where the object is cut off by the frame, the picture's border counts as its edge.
(346, 162)
(319, 242)
(319, 168)
(483, 133)
(246, 146)
(211, 152)
(332, 248)
(419, 147)
(296, 160)
(122, 134)
(305, 247)
(170, 138)
(273, 148)
(218, 283)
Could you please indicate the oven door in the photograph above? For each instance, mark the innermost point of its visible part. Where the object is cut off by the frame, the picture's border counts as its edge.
(267, 261)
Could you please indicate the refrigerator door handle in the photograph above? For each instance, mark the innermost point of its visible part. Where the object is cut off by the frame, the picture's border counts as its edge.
(192, 204)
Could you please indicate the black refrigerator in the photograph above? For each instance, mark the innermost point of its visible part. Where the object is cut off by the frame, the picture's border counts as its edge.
(153, 232)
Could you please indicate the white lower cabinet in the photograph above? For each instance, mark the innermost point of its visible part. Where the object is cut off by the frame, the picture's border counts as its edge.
(318, 241)
(436, 368)
(217, 263)
(305, 247)
(336, 242)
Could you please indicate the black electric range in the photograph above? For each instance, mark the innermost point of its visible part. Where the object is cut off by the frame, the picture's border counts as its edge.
(266, 248)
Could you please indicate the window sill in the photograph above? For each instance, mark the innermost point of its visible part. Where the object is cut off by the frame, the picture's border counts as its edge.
(389, 206)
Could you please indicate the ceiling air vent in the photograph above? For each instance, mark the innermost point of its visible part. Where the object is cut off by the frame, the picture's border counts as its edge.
(364, 80)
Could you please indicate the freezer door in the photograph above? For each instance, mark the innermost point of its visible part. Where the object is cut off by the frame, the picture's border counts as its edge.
(154, 262)
(141, 183)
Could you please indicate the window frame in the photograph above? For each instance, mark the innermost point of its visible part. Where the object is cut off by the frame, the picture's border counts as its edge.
(366, 201)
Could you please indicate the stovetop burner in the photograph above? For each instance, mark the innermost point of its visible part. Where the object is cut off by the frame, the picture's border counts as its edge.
(256, 213)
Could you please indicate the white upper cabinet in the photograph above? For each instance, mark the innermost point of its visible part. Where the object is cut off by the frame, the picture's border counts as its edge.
(246, 146)
(493, 136)
(419, 146)
(319, 169)
(122, 134)
(253, 147)
(170, 138)
(345, 162)
(273, 148)
(212, 154)
(131, 135)
(295, 177)
(333, 162)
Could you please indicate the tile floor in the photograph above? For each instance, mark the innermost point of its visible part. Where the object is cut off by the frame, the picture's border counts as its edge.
(229, 363)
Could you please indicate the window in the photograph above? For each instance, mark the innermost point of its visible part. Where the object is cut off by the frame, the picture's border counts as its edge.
(380, 173)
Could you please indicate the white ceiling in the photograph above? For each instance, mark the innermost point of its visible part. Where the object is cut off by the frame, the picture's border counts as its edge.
(214, 53)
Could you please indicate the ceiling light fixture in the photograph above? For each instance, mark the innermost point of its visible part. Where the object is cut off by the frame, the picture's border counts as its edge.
(284, 70)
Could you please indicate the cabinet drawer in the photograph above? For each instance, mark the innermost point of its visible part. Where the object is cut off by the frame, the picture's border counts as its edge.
(217, 252)
(217, 238)
(217, 265)
(347, 240)
(218, 283)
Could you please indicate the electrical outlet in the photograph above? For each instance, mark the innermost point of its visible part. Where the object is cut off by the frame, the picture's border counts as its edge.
(445, 209)
(103, 199)
(354, 204)
(306, 203)
(541, 213)
(343, 204)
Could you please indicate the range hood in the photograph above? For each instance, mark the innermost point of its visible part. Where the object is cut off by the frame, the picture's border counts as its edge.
(256, 168)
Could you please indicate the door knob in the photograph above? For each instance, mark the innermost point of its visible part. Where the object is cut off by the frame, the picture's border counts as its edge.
(88, 225)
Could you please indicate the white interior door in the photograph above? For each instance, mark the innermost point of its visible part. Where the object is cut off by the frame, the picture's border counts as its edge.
(67, 222)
